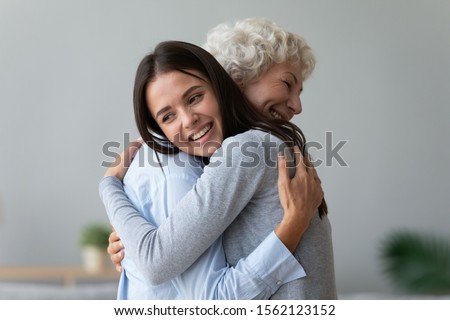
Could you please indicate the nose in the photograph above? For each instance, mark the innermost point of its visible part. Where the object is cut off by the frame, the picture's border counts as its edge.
(295, 104)
(189, 119)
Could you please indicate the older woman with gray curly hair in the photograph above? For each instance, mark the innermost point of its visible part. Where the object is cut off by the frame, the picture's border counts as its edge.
(269, 63)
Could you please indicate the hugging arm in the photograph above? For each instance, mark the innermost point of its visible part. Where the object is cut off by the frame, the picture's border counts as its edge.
(198, 220)
(258, 275)
(301, 194)
(191, 228)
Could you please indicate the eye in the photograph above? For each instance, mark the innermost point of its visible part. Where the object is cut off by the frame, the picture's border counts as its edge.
(195, 98)
(167, 117)
(288, 85)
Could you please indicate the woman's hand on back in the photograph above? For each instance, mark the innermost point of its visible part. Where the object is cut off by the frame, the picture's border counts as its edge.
(300, 197)
(122, 162)
(115, 250)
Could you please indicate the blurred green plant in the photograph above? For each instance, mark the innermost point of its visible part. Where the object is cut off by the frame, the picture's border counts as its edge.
(96, 235)
(417, 263)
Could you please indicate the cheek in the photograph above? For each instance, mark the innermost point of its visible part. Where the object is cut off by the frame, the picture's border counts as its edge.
(170, 133)
(252, 93)
(256, 102)
(259, 96)
(258, 106)
(262, 108)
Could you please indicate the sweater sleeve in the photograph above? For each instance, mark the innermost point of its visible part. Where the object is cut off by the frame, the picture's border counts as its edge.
(227, 185)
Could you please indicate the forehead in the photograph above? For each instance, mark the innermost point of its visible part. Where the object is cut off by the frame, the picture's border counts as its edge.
(285, 68)
(176, 78)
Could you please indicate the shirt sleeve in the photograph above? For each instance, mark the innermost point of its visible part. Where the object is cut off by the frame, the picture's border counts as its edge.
(258, 276)
(221, 193)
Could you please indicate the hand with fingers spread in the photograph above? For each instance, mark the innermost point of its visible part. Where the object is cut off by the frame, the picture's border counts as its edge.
(300, 197)
(122, 162)
(115, 250)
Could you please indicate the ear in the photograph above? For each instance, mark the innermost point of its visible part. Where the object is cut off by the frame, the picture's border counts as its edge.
(237, 78)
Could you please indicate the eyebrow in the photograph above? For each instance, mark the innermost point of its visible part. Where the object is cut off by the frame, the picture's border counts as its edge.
(160, 112)
(183, 97)
(293, 75)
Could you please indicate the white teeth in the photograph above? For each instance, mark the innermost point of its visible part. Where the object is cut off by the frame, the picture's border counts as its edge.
(200, 134)
(275, 114)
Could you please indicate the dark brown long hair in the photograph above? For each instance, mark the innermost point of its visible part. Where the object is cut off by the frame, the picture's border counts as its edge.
(237, 113)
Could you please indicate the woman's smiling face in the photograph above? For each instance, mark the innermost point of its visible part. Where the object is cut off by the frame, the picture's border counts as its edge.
(186, 109)
(276, 93)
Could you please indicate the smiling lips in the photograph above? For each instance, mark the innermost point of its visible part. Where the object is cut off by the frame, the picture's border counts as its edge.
(201, 133)
(277, 115)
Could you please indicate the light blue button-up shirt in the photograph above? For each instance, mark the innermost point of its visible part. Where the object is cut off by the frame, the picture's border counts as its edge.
(154, 190)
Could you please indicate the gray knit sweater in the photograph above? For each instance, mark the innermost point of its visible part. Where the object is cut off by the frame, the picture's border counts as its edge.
(237, 194)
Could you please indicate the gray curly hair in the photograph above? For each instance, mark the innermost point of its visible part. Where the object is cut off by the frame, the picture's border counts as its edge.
(251, 47)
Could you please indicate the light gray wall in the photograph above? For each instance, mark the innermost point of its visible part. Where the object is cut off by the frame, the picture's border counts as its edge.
(382, 83)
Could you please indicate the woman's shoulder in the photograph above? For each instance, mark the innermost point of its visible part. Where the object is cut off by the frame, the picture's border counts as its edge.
(157, 165)
(253, 135)
(252, 148)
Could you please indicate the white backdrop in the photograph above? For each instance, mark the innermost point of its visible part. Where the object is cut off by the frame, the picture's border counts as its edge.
(382, 83)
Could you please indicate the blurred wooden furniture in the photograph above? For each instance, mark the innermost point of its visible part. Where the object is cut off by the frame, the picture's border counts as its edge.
(68, 276)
